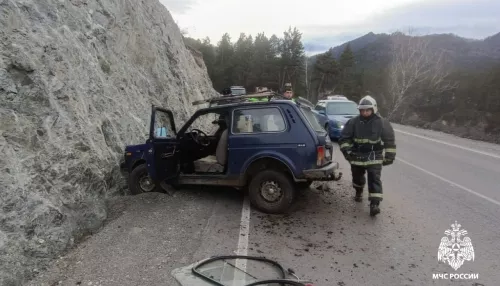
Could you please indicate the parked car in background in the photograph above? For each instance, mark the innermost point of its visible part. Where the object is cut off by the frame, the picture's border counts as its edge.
(238, 90)
(334, 112)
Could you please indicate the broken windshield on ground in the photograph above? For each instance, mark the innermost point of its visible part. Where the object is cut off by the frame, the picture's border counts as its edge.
(226, 271)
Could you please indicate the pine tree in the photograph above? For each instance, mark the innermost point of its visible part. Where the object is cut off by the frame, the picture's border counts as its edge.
(347, 81)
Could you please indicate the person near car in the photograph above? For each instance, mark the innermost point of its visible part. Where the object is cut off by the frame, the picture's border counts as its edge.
(288, 94)
(368, 143)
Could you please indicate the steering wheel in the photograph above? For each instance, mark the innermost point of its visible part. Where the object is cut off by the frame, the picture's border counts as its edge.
(200, 140)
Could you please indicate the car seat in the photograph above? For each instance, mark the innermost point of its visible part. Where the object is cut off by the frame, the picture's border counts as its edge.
(221, 151)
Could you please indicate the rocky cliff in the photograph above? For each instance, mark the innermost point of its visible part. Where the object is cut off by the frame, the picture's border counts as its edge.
(77, 81)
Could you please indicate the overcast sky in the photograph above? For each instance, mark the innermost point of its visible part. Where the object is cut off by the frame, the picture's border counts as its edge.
(327, 23)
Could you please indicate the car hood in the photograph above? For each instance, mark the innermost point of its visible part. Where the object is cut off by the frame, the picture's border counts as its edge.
(341, 118)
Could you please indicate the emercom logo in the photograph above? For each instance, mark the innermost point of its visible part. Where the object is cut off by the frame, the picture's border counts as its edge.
(455, 248)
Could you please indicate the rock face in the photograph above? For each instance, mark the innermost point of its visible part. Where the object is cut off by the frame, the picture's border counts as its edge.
(77, 81)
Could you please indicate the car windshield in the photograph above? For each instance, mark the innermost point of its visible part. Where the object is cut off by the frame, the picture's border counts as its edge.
(341, 108)
(313, 121)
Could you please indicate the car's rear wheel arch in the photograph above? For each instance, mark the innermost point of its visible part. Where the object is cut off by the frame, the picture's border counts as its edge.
(267, 163)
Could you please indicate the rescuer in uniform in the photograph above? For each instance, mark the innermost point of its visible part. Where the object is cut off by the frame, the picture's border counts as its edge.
(368, 143)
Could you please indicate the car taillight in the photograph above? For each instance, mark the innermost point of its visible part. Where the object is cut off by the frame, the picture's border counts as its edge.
(321, 155)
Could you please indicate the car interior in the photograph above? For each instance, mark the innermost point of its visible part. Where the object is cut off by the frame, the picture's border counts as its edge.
(204, 146)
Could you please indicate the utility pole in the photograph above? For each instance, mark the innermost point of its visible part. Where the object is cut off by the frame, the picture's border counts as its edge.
(307, 81)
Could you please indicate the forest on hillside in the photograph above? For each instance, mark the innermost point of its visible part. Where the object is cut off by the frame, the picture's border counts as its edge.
(428, 82)
(271, 62)
(255, 62)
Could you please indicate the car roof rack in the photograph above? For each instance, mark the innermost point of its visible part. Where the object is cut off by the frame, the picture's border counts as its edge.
(270, 95)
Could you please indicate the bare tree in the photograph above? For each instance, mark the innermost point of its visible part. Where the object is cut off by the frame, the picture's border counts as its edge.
(415, 66)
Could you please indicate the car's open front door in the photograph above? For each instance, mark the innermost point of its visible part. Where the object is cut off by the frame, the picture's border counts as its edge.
(163, 155)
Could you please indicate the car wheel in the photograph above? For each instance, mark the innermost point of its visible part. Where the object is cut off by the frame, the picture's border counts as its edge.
(139, 181)
(271, 191)
(304, 185)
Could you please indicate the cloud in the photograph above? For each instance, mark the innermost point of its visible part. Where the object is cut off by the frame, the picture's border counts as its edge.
(212, 18)
(179, 6)
(329, 23)
(475, 19)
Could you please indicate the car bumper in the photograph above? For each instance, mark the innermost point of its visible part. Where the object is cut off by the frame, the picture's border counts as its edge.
(123, 168)
(329, 172)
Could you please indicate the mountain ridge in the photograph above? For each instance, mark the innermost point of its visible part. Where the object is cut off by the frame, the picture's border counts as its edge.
(462, 49)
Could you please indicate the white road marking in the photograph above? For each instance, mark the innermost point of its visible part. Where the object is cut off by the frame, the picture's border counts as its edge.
(243, 241)
(451, 183)
(244, 228)
(450, 144)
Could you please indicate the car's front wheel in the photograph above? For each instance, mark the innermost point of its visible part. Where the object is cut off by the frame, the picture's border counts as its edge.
(271, 191)
(139, 181)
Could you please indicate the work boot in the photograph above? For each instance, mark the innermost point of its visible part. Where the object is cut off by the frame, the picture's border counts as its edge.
(374, 208)
(359, 195)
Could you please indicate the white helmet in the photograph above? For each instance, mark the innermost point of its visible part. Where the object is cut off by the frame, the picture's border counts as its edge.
(368, 102)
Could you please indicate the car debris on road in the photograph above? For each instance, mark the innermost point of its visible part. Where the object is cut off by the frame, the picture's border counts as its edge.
(237, 271)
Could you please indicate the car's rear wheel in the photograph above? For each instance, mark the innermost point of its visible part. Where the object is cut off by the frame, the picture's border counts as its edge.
(139, 181)
(271, 191)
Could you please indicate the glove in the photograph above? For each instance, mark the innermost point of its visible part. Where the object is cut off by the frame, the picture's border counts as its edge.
(348, 156)
(387, 162)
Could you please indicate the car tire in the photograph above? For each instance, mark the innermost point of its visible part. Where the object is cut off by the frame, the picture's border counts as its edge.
(136, 183)
(263, 186)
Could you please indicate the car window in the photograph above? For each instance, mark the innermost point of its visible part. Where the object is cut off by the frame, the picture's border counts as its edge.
(313, 121)
(206, 123)
(258, 120)
(320, 106)
(163, 125)
(342, 108)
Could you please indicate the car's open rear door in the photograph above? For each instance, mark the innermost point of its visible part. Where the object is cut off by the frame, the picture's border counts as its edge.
(163, 155)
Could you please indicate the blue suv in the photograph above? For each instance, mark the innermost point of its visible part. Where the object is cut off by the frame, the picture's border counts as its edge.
(334, 112)
(270, 148)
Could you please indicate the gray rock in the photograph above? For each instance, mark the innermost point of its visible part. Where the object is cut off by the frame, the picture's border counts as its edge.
(77, 81)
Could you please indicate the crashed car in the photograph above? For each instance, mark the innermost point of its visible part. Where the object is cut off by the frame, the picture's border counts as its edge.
(269, 148)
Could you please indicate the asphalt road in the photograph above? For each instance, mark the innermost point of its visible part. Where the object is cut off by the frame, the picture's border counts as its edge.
(327, 237)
